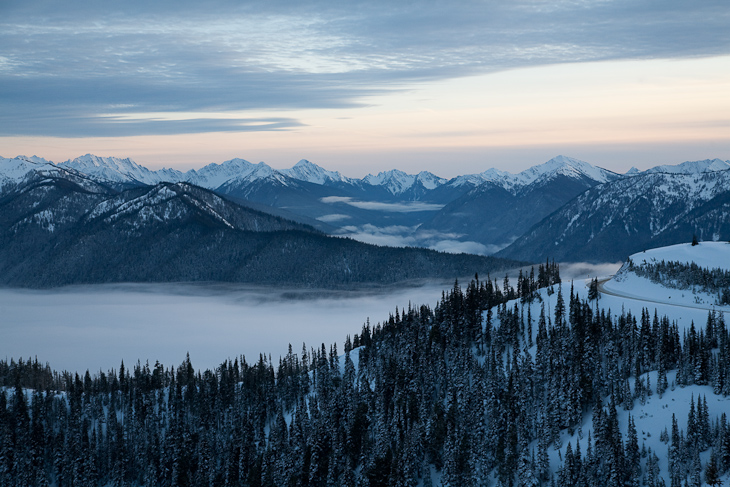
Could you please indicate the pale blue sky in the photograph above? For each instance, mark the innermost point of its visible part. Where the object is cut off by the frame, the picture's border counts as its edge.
(361, 87)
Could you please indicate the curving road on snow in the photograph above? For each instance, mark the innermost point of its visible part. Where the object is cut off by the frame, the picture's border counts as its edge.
(603, 290)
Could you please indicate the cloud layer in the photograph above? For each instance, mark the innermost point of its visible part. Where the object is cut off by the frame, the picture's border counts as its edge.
(408, 207)
(82, 68)
(405, 236)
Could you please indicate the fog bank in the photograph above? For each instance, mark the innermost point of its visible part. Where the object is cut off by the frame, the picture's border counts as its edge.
(95, 327)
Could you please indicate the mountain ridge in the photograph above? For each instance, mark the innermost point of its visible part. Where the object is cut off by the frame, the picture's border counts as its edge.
(55, 230)
(611, 221)
(482, 213)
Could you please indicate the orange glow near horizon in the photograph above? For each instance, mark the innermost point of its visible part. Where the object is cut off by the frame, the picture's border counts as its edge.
(601, 104)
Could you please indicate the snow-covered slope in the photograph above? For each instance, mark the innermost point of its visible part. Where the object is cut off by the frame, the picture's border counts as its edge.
(560, 165)
(693, 167)
(215, 175)
(305, 170)
(630, 281)
(118, 170)
(612, 221)
(15, 170)
(652, 413)
(21, 171)
(398, 182)
(709, 255)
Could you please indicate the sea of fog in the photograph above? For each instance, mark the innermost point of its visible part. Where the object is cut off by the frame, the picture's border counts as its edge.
(96, 327)
(77, 328)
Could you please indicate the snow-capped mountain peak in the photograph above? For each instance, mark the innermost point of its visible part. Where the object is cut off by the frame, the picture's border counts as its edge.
(214, 175)
(13, 170)
(305, 170)
(565, 166)
(119, 170)
(693, 167)
(395, 181)
(429, 180)
(253, 172)
(560, 165)
(398, 182)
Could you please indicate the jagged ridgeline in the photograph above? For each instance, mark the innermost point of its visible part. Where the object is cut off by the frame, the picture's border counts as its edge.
(59, 227)
(474, 391)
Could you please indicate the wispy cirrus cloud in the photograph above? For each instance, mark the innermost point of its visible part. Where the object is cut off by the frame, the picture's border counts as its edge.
(71, 69)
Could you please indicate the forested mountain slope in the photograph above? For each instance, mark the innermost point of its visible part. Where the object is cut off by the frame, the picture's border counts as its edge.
(55, 231)
(614, 220)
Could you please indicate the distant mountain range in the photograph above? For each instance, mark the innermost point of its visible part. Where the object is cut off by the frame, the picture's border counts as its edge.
(59, 226)
(525, 216)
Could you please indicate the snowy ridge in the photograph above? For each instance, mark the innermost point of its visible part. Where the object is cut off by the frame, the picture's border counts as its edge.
(710, 255)
(566, 166)
(395, 181)
(305, 170)
(257, 172)
(147, 200)
(120, 170)
(13, 171)
(692, 167)
(662, 190)
(162, 203)
(215, 175)
(560, 165)
(398, 182)
(429, 180)
(23, 169)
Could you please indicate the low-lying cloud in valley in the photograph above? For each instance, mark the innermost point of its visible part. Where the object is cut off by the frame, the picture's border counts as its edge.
(407, 207)
(586, 270)
(405, 236)
(96, 327)
(335, 217)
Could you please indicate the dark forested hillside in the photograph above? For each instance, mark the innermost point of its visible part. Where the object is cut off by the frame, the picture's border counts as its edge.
(472, 392)
(54, 232)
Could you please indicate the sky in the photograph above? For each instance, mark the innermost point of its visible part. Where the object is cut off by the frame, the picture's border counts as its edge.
(361, 87)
